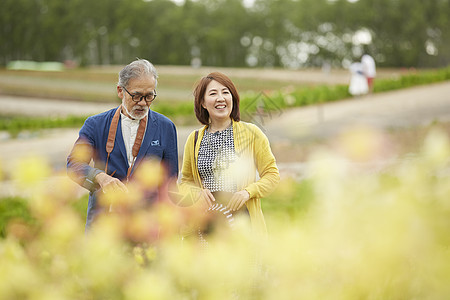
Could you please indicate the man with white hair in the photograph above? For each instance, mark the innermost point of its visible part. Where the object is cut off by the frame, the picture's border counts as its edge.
(120, 139)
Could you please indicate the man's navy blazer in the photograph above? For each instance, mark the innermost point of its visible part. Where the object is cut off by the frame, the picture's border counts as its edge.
(160, 143)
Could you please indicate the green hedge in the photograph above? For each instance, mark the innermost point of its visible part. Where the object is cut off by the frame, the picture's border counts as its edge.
(323, 93)
(13, 208)
(409, 80)
(300, 97)
(14, 124)
(17, 209)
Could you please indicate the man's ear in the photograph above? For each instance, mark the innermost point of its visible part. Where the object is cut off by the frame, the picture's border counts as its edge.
(120, 92)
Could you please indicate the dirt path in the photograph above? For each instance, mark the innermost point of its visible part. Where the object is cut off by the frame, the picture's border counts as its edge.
(39, 107)
(418, 105)
(397, 109)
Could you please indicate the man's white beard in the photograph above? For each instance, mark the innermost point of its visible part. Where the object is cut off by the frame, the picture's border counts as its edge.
(131, 114)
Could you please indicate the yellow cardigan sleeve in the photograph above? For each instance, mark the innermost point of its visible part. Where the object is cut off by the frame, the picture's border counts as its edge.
(189, 185)
(265, 164)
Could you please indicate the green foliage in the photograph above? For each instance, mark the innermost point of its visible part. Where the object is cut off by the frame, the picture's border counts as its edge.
(322, 93)
(405, 33)
(175, 109)
(16, 209)
(80, 206)
(291, 199)
(14, 125)
(13, 209)
(413, 79)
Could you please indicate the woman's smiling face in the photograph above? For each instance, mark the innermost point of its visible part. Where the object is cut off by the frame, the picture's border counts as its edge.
(218, 101)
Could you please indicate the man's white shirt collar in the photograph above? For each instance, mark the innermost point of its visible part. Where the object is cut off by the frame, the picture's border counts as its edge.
(129, 132)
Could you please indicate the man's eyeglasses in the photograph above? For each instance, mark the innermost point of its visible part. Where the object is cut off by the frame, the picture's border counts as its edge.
(138, 97)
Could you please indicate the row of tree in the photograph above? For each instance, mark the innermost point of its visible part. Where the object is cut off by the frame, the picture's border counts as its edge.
(278, 33)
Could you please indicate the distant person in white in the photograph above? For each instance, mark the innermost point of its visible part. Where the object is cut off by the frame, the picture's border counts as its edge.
(369, 70)
(358, 82)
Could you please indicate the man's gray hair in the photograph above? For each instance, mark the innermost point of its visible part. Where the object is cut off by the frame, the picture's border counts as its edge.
(136, 69)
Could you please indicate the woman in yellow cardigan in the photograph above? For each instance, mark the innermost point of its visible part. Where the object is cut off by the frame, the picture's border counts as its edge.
(221, 159)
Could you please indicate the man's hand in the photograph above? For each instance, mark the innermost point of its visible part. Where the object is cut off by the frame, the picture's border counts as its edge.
(109, 183)
(238, 200)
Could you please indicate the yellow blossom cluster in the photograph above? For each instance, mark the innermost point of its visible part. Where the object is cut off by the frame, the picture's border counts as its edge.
(362, 235)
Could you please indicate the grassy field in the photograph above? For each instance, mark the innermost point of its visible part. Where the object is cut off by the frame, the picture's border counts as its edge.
(175, 82)
(346, 231)
(287, 88)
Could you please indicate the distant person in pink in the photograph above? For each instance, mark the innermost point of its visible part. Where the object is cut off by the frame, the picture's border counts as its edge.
(369, 70)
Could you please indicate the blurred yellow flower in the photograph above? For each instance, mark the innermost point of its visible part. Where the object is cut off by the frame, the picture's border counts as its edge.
(363, 144)
(353, 235)
(436, 148)
(150, 286)
(150, 174)
(1, 171)
(31, 171)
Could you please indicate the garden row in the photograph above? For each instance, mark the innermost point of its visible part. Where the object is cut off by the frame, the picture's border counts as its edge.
(270, 100)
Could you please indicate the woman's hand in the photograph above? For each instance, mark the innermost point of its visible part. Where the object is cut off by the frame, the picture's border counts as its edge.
(238, 200)
(207, 197)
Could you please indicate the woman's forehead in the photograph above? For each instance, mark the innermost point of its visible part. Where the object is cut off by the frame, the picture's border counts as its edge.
(215, 85)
